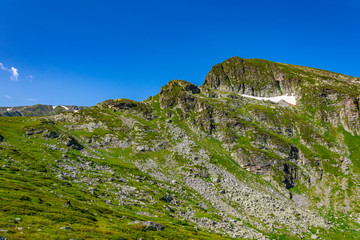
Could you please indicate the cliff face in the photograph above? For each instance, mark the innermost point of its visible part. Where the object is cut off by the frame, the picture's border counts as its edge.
(252, 77)
(323, 95)
(196, 162)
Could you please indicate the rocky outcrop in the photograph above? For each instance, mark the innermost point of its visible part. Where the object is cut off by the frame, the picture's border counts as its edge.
(253, 77)
(130, 106)
(72, 143)
(149, 226)
(350, 114)
(175, 91)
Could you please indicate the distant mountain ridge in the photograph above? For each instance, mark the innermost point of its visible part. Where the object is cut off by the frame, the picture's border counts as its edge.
(38, 110)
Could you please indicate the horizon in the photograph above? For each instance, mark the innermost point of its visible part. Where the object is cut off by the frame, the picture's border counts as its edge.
(159, 88)
(76, 53)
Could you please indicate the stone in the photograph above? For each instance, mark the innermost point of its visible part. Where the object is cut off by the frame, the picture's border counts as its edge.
(67, 204)
(72, 143)
(203, 174)
(167, 198)
(65, 228)
(169, 209)
(149, 225)
(140, 148)
(51, 135)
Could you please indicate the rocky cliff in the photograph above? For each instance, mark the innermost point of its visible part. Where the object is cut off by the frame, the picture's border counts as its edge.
(261, 150)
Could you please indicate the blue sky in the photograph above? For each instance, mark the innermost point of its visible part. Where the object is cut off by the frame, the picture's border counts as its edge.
(84, 52)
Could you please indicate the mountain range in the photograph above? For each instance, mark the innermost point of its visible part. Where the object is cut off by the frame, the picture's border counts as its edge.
(37, 110)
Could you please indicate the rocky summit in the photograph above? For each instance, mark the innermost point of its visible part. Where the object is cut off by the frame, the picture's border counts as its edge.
(261, 150)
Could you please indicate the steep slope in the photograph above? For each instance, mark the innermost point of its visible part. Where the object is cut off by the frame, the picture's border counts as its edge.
(208, 162)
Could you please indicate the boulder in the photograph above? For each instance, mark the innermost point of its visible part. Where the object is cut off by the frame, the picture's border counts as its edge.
(72, 143)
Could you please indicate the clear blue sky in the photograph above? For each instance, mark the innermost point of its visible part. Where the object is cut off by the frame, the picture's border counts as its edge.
(84, 52)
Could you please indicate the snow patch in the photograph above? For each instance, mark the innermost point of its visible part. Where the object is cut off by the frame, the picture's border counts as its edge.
(286, 98)
(54, 107)
(66, 108)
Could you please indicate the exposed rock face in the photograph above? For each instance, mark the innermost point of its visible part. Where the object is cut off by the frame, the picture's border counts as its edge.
(177, 90)
(72, 143)
(252, 77)
(51, 134)
(350, 115)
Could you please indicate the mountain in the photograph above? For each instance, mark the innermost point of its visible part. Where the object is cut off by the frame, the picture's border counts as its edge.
(261, 150)
(37, 110)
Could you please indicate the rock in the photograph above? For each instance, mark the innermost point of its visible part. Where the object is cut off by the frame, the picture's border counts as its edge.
(169, 209)
(33, 131)
(171, 93)
(18, 219)
(51, 135)
(3, 238)
(65, 228)
(29, 133)
(72, 143)
(67, 204)
(140, 148)
(242, 76)
(203, 175)
(150, 226)
(143, 213)
(93, 190)
(167, 198)
(1, 138)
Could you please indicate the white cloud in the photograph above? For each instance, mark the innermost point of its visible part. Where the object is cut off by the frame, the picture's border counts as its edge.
(14, 71)
(30, 76)
(14, 74)
(7, 96)
(31, 99)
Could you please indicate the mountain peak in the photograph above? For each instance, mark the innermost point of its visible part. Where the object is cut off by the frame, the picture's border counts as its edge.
(253, 77)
